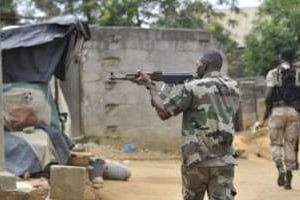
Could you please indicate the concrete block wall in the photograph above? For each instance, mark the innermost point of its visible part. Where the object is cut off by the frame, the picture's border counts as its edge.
(253, 105)
(121, 112)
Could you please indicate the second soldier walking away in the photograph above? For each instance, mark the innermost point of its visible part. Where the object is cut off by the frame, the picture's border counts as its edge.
(209, 104)
(282, 107)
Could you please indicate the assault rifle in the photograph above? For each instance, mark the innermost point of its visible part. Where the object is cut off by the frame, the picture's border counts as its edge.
(166, 77)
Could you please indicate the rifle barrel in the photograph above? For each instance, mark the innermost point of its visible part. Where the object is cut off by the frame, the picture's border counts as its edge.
(167, 77)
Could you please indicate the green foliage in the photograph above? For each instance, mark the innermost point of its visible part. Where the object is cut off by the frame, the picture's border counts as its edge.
(49, 7)
(7, 12)
(182, 15)
(122, 13)
(103, 12)
(6, 5)
(199, 15)
(229, 46)
(195, 14)
(189, 14)
(277, 27)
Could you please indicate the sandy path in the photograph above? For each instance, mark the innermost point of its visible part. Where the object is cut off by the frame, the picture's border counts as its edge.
(160, 180)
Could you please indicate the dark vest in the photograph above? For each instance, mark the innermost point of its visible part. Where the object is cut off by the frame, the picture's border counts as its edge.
(287, 93)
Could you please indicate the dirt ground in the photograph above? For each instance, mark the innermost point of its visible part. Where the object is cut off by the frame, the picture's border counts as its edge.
(160, 180)
(156, 176)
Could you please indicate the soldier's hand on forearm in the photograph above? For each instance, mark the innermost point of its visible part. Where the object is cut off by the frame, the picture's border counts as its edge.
(143, 79)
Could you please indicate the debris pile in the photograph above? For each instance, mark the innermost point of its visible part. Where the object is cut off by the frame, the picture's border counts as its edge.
(249, 144)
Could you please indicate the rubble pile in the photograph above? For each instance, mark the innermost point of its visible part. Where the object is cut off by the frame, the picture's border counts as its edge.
(253, 143)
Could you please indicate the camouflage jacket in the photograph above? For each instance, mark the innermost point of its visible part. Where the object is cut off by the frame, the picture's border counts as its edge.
(209, 106)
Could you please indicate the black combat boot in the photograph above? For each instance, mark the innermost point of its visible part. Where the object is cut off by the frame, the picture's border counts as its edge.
(288, 180)
(281, 174)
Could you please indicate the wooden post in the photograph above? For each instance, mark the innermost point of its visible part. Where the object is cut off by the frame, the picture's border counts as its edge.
(1, 118)
(7, 180)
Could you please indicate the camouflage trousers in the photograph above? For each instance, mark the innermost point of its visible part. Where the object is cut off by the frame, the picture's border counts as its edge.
(217, 181)
(284, 133)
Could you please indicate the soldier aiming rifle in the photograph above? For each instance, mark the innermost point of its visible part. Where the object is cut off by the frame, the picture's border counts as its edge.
(209, 103)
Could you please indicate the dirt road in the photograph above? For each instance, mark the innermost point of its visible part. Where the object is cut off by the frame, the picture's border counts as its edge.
(160, 180)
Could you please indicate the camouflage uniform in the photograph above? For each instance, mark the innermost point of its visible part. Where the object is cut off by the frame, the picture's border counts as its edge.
(283, 129)
(209, 106)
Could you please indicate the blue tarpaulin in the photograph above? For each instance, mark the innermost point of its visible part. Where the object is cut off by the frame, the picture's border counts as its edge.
(31, 55)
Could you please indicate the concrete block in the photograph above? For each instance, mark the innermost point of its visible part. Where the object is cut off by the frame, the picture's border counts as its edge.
(14, 195)
(95, 131)
(7, 181)
(112, 132)
(67, 182)
(119, 116)
(248, 119)
(34, 194)
(260, 108)
(156, 138)
(123, 93)
(90, 76)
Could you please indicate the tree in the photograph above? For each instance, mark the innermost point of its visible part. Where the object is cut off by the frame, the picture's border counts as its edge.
(195, 14)
(277, 27)
(200, 15)
(230, 47)
(166, 13)
(103, 12)
(7, 12)
(126, 12)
